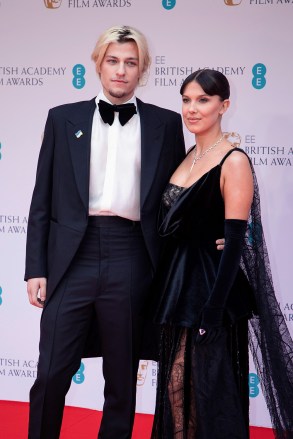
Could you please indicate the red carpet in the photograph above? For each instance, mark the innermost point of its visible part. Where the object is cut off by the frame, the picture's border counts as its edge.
(80, 423)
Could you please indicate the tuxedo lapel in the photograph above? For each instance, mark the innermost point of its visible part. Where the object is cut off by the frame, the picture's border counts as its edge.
(79, 129)
(152, 133)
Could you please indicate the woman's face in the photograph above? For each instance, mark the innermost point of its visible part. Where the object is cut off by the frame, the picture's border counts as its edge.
(201, 112)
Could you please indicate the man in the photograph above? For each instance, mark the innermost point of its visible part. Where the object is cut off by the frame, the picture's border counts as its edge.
(92, 243)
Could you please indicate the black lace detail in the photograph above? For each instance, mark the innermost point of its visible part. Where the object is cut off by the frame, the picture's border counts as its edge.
(190, 379)
(171, 194)
(175, 405)
(269, 338)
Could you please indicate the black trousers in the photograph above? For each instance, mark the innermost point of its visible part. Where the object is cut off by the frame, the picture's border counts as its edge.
(110, 276)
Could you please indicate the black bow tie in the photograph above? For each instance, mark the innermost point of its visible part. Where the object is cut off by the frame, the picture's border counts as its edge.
(126, 111)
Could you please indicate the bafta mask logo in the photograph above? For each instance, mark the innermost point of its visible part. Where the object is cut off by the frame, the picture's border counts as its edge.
(52, 4)
(232, 2)
(234, 138)
(142, 372)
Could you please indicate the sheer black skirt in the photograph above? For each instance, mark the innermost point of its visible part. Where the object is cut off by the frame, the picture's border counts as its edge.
(202, 389)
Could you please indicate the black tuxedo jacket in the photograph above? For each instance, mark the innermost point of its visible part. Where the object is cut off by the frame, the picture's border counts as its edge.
(59, 207)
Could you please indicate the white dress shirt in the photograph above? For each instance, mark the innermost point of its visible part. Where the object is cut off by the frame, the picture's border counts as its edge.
(115, 166)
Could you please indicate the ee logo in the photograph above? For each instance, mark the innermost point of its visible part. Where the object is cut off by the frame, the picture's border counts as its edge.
(254, 233)
(168, 4)
(258, 80)
(1, 295)
(79, 377)
(253, 384)
(78, 72)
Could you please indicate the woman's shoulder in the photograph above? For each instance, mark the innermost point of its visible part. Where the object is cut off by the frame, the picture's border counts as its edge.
(237, 171)
(236, 157)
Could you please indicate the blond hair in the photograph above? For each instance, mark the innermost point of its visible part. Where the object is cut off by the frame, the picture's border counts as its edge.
(124, 34)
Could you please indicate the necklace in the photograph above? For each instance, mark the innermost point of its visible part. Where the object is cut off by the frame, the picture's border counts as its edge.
(196, 159)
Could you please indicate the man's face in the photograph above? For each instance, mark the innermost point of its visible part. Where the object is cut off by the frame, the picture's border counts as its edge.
(119, 71)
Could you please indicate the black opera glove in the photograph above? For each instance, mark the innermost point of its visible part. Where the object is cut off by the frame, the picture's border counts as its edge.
(213, 311)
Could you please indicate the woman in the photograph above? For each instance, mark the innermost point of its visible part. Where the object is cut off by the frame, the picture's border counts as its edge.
(204, 298)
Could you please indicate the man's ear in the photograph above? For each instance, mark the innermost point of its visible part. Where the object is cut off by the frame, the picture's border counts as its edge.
(98, 70)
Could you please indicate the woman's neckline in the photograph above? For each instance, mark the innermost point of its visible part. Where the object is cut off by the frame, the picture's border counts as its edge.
(196, 181)
(203, 175)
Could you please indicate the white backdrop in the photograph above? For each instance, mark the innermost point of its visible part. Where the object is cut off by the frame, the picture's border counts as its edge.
(42, 43)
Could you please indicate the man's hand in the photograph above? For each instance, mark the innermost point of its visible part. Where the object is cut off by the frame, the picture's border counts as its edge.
(36, 289)
(220, 244)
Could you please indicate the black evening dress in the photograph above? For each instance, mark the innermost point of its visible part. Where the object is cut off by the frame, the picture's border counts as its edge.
(202, 390)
